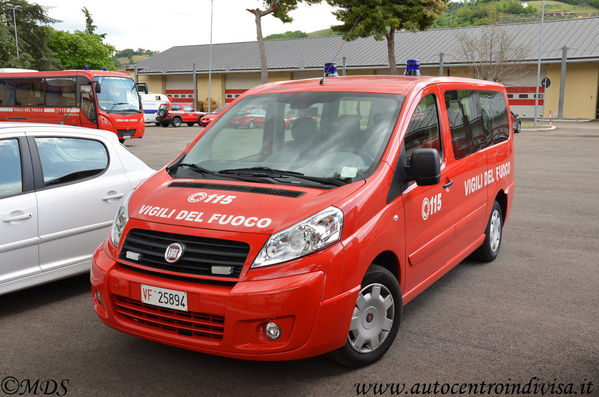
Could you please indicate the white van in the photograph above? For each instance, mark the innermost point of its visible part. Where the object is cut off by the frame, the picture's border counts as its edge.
(150, 103)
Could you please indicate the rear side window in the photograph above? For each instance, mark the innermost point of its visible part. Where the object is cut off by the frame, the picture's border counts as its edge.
(176, 108)
(29, 92)
(10, 168)
(477, 119)
(66, 160)
(423, 131)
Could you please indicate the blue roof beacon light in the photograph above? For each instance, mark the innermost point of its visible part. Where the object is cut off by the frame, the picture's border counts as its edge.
(412, 67)
(86, 67)
(104, 68)
(330, 69)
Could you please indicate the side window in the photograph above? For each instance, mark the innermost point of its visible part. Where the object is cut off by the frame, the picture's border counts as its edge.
(29, 92)
(67, 160)
(10, 168)
(423, 131)
(176, 108)
(60, 91)
(494, 107)
(7, 92)
(465, 122)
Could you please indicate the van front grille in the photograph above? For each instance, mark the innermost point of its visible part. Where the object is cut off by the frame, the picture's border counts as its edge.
(200, 254)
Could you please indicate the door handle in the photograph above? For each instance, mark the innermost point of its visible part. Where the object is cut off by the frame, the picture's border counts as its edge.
(448, 184)
(20, 217)
(114, 196)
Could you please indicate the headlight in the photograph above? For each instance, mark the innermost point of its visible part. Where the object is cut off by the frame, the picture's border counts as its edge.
(303, 238)
(122, 216)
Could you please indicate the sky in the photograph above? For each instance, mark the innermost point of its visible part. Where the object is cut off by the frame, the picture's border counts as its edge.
(159, 24)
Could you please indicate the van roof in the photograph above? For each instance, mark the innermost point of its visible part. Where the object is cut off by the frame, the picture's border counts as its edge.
(382, 84)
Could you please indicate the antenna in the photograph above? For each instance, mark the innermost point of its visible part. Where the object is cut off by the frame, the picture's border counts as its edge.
(333, 65)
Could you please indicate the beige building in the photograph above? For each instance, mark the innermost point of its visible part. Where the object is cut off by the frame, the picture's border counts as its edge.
(236, 67)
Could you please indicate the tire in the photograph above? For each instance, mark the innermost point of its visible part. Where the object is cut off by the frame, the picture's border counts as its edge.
(164, 124)
(157, 124)
(121, 140)
(380, 293)
(251, 124)
(176, 122)
(190, 124)
(493, 233)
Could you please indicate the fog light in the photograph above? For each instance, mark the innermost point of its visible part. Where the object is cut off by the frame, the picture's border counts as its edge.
(98, 297)
(273, 331)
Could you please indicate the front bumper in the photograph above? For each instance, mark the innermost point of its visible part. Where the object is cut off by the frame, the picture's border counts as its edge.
(226, 320)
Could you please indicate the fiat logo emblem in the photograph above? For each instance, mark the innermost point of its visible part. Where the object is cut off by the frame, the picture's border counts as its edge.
(173, 252)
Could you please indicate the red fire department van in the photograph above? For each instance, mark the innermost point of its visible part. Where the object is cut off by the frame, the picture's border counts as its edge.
(288, 241)
(87, 98)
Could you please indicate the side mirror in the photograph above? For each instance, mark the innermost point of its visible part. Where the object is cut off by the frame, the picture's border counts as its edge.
(425, 167)
(97, 87)
(142, 87)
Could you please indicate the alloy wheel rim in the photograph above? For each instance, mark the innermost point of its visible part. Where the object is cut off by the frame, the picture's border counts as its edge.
(372, 318)
(495, 231)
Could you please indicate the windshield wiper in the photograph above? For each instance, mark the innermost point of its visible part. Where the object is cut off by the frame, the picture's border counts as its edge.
(206, 171)
(117, 104)
(266, 171)
(274, 173)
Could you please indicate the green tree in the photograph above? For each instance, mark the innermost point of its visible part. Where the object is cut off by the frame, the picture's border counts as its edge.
(287, 35)
(89, 23)
(78, 49)
(382, 18)
(32, 36)
(279, 9)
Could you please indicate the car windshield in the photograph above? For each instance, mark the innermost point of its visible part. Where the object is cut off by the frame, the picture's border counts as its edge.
(297, 138)
(118, 95)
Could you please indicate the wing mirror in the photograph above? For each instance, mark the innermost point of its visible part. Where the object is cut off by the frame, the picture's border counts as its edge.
(425, 167)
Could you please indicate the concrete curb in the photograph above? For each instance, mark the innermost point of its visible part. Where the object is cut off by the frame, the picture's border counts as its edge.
(537, 129)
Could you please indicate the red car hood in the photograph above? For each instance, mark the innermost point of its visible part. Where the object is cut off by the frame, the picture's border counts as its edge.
(219, 205)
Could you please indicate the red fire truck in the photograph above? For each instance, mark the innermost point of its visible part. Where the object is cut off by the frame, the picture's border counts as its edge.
(87, 98)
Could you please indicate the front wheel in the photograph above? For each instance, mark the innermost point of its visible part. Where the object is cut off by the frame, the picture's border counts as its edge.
(375, 320)
(490, 248)
(251, 125)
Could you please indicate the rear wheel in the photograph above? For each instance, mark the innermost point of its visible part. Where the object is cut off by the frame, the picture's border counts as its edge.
(176, 122)
(251, 124)
(375, 320)
(121, 140)
(490, 248)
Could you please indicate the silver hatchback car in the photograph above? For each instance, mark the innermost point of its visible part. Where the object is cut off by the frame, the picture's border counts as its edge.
(60, 188)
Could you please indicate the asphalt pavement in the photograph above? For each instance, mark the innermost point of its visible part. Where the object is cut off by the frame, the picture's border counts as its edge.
(529, 317)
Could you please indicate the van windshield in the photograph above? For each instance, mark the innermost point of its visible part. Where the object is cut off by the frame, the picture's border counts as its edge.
(296, 138)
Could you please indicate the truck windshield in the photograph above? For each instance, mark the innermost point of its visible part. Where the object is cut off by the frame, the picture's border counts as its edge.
(118, 95)
(298, 138)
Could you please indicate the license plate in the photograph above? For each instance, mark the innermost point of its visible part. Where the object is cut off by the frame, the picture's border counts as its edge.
(164, 297)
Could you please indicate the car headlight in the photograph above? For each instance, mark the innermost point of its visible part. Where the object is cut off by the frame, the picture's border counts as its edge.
(122, 216)
(303, 238)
